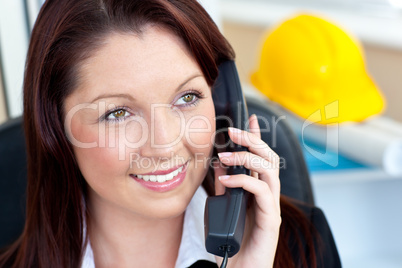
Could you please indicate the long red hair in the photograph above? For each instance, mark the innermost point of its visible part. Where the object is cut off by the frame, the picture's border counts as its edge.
(67, 32)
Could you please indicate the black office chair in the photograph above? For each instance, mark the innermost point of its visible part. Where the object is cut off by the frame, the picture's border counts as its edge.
(13, 174)
(295, 180)
(294, 175)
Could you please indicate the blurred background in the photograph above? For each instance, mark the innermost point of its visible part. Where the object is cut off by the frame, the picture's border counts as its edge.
(363, 202)
(361, 197)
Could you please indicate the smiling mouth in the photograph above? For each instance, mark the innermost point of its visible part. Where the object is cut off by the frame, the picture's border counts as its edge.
(161, 178)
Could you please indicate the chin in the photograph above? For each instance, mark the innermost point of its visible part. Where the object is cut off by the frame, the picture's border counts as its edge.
(168, 209)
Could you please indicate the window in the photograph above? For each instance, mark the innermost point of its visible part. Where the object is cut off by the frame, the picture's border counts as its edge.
(387, 8)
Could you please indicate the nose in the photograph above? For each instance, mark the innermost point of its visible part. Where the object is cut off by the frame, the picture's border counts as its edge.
(166, 132)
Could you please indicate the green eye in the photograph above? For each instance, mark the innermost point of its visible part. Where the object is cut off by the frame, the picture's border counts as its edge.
(188, 97)
(117, 115)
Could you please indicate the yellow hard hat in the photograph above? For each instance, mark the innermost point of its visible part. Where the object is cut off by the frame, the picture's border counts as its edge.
(308, 63)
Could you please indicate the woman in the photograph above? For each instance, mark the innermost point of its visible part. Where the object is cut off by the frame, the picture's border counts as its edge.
(120, 124)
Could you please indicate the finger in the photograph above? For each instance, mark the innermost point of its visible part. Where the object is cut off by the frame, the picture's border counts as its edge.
(253, 143)
(266, 170)
(250, 161)
(219, 170)
(254, 127)
(263, 195)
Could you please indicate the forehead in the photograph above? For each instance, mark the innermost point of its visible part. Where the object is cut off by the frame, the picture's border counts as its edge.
(136, 60)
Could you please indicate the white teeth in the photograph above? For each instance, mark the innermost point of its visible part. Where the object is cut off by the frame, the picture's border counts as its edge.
(169, 176)
(160, 178)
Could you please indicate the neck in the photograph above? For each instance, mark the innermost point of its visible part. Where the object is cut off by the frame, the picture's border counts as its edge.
(120, 239)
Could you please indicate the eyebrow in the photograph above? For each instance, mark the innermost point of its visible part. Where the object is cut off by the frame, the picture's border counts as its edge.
(127, 96)
(105, 96)
(188, 80)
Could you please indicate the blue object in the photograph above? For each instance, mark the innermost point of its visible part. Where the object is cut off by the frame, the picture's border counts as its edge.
(326, 159)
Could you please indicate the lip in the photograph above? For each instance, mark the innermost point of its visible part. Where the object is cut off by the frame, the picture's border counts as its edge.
(167, 185)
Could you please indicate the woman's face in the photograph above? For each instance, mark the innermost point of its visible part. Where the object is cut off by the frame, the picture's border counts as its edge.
(142, 125)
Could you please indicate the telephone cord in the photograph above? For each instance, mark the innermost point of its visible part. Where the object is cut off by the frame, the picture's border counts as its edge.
(225, 259)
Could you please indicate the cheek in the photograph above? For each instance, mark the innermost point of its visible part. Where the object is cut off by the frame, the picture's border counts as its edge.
(98, 166)
(97, 152)
(97, 160)
(114, 141)
(80, 135)
(200, 129)
(199, 132)
(101, 168)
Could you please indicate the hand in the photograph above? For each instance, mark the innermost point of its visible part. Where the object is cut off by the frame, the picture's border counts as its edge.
(263, 217)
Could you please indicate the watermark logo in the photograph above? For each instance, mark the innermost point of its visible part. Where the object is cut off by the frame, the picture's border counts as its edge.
(327, 136)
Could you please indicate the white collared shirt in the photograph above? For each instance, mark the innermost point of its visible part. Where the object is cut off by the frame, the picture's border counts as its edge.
(192, 246)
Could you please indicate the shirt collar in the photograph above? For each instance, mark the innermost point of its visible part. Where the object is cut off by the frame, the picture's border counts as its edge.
(192, 246)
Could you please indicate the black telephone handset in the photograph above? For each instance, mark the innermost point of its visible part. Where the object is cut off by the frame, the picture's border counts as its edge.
(225, 215)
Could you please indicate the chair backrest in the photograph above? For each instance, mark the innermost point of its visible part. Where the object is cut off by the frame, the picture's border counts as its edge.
(294, 175)
(12, 180)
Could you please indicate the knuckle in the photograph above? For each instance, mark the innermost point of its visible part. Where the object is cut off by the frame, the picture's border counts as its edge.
(245, 158)
(266, 164)
(241, 158)
(272, 154)
(261, 144)
(274, 157)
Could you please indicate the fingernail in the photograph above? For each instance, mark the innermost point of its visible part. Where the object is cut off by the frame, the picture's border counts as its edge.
(225, 154)
(224, 177)
(254, 116)
(234, 130)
